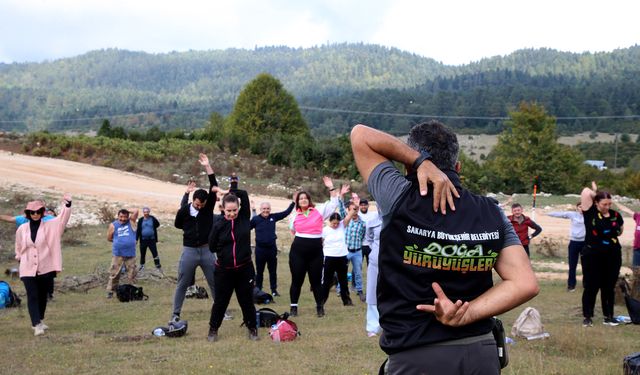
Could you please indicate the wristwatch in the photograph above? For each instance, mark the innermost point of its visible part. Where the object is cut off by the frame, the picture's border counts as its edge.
(424, 155)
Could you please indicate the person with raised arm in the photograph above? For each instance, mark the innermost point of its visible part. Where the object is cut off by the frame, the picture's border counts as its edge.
(305, 256)
(439, 245)
(39, 251)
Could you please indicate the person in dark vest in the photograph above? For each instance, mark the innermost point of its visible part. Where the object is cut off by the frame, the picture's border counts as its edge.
(147, 234)
(266, 248)
(122, 233)
(521, 225)
(438, 246)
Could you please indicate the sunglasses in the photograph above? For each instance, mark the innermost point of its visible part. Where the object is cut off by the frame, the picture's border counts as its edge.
(31, 212)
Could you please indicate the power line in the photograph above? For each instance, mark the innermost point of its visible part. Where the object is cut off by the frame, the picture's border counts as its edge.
(492, 118)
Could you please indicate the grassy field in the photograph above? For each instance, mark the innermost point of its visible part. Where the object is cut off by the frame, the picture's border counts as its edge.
(90, 334)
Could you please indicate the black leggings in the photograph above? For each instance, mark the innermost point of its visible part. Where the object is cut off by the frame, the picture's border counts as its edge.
(151, 244)
(339, 266)
(306, 257)
(600, 270)
(226, 281)
(37, 289)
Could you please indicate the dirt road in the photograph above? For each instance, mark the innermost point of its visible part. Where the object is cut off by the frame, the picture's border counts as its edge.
(93, 185)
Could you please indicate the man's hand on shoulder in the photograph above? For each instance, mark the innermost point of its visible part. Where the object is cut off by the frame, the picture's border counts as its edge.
(443, 189)
(449, 313)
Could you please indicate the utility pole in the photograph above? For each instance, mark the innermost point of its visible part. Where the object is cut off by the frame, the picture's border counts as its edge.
(615, 155)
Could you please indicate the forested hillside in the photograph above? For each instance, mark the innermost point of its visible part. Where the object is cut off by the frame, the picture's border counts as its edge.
(336, 86)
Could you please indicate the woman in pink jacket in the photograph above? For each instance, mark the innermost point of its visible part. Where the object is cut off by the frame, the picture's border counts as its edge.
(39, 252)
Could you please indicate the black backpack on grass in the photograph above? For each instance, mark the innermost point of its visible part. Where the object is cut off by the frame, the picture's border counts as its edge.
(128, 292)
(268, 317)
(633, 305)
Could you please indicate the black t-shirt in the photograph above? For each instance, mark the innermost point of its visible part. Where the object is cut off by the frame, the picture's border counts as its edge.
(602, 232)
(417, 247)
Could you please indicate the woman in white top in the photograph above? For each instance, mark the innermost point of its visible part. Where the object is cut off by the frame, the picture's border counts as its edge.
(335, 252)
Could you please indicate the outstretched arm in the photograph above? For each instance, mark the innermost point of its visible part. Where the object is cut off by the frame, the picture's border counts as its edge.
(624, 208)
(8, 218)
(372, 147)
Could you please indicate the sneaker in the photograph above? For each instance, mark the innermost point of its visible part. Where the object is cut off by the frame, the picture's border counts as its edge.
(227, 317)
(109, 295)
(141, 268)
(174, 318)
(611, 321)
(587, 322)
(361, 295)
(293, 311)
(44, 326)
(253, 334)
(275, 293)
(371, 334)
(571, 290)
(38, 330)
(320, 311)
(213, 335)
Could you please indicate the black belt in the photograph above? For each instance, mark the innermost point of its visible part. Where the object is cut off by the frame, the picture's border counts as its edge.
(354, 250)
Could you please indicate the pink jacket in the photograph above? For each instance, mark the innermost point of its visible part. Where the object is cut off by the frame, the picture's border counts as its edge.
(310, 225)
(45, 255)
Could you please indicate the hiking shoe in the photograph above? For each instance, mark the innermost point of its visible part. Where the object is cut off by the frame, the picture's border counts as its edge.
(213, 335)
(38, 330)
(320, 311)
(275, 293)
(109, 295)
(587, 322)
(611, 321)
(227, 317)
(293, 311)
(253, 334)
(361, 295)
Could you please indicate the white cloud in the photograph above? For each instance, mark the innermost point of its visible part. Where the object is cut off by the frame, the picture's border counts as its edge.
(455, 31)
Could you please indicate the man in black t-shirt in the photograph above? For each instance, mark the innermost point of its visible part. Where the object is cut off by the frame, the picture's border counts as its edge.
(435, 291)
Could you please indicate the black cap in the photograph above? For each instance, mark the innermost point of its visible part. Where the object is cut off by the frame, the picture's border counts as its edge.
(364, 201)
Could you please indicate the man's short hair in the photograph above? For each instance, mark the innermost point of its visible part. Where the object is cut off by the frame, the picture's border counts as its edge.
(516, 205)
(437, 139)
(200, 195)
(123, 212)
(364, 201)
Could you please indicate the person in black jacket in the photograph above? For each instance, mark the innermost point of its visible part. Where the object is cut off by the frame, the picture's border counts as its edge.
(230, 239)
(266, 248)
(195, 220)
(147, 234)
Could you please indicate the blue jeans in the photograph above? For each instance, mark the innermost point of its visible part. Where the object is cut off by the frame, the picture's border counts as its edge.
(575, 248)
(356, 264)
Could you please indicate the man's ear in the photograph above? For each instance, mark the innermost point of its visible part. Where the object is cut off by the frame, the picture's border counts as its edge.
(458, 166)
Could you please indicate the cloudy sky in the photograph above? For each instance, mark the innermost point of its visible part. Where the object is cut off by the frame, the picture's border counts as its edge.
(451, 31)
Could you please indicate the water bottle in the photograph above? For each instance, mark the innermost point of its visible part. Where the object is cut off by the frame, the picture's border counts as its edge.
(158, 332)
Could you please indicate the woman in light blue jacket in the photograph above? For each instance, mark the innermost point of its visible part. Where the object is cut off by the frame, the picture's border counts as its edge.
(576, 241)
(372, 235)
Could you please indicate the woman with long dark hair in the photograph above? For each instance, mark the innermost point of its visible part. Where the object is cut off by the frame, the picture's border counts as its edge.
(602, 253)
(38, 249)
(305, 256)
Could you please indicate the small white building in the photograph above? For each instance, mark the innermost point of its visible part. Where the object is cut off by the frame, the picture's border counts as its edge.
(600, 164)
